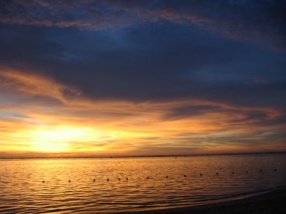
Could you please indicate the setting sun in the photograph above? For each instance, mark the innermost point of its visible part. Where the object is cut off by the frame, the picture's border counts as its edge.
(144, 78)
(59, 139)
(154, 106)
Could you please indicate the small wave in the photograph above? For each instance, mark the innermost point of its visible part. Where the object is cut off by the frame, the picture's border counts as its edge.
(236, 196)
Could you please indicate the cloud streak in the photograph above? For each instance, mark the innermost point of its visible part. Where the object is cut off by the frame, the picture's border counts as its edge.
(233, 20)
(83, 126)
(82, 78)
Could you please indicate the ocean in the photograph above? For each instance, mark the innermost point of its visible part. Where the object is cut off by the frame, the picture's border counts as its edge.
(113, 185)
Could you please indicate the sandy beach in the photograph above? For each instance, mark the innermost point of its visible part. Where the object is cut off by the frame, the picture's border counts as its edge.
(271, 202)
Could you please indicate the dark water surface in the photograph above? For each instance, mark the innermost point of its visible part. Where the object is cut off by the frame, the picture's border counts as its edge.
(42, 185)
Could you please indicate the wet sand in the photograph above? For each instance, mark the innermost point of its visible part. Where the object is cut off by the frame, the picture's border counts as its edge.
(272, 203)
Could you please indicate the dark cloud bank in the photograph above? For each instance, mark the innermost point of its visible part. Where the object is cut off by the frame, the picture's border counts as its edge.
(228, 51)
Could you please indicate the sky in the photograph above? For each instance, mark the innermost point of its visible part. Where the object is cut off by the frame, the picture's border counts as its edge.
(143, 77)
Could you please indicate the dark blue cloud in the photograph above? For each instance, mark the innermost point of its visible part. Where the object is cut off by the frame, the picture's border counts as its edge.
(152, 50)
(259, 22)
(148, 62)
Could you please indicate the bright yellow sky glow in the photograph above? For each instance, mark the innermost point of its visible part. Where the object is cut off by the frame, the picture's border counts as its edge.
(43, 121)
(58, 139)
(141, 78)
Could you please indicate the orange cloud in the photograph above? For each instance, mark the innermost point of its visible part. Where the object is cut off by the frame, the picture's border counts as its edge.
(34, 85)
(84, 127)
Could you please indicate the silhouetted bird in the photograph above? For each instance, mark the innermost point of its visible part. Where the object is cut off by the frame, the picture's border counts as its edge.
(217, 173)
(232, 172)
(246, 171)
(147, 177)
(107, 179)
(167, 176)
(201, 174)
(119, 179)
(93, 180)
(126, 179)
(43, 181)
(69, 180)
(185, 175)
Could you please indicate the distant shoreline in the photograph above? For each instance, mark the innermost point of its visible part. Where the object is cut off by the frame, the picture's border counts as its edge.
(53, 156)
(271, 202)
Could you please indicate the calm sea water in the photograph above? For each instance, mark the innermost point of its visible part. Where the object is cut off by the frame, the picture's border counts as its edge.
(42, 185)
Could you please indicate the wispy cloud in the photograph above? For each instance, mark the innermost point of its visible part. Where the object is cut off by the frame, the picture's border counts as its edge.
(141, 77)
(110, 127)
(231, 20)
(36, 85)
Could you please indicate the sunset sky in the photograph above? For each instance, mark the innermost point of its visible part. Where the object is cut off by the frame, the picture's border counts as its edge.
(107, 78)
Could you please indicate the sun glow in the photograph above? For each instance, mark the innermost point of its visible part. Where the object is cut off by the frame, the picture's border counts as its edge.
(60, 139)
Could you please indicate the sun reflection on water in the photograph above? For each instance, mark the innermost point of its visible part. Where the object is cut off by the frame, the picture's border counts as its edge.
(97, 185)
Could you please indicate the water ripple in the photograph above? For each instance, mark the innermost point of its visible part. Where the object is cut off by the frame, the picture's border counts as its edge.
(81, 185)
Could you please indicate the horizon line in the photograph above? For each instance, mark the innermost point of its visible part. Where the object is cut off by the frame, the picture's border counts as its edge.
(140, 156)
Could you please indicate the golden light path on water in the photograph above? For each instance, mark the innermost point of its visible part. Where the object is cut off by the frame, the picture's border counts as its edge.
(110, 185)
